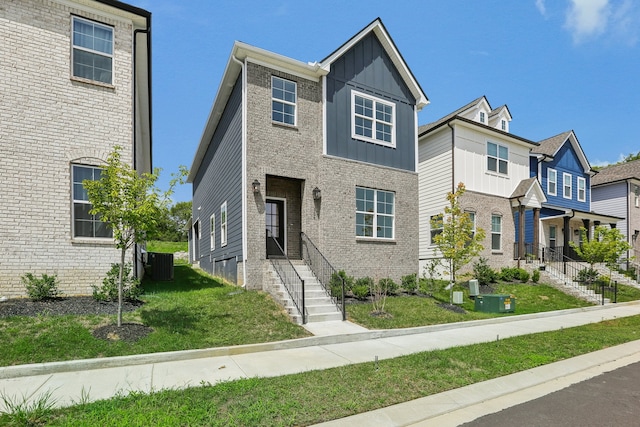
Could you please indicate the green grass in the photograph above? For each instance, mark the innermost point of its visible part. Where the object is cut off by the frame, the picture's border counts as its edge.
(192, 311)
(167, 247)
(316, 396)
(411, 311)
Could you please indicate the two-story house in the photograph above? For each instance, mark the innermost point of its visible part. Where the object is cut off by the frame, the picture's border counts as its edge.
(74, 82)
(325, 151)
(615, 190)
(564, 172)
(473, 145)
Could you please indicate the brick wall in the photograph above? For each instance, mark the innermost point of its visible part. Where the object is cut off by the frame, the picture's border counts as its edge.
(49, 121)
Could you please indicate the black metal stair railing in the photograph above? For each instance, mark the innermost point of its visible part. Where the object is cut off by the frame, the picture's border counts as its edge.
(290, 278)
(324, 272)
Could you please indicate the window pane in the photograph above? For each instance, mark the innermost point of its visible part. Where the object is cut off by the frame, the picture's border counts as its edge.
(383, 132)
(364, 127)
(495, 242)
(496, 224)
(503, 167)
(492, 164)
(492, 149)
(503, 152)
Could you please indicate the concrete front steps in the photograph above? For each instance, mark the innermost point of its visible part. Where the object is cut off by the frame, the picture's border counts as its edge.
(569, 286)
(319, 306)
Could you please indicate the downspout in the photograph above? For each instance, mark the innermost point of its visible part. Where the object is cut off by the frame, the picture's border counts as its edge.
(520, 234)
(453, 163)
(146, 31)
(244, 170)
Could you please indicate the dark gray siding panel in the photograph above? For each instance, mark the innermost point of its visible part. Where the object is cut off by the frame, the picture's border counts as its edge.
(219, 179)
(368, 69)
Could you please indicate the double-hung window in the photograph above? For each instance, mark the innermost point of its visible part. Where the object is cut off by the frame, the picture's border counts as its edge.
(283, 101)
(582, 189)
(223, 224)
(84, 223)
(372, 119)
(552, 182)
(497, 158)
(92, 52)
(212, 231)
(375, 213)
(566, 186)
(496, 233)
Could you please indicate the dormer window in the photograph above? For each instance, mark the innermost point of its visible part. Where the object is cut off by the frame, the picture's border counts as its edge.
(482, 116)
(503, 125)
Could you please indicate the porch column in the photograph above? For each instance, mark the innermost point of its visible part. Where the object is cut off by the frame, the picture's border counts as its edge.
(566, 236)
(587, 224)
(520, 232)
(536, 230)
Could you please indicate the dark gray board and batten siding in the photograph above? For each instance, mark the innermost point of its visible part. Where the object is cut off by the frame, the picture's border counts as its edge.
(219, 179)
(368, 69)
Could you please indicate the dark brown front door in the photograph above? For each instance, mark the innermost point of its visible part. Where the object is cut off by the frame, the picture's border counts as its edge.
(275, 227)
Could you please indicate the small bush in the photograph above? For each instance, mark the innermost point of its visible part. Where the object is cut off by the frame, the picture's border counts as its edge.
(38, 289)
(535, 277)
(388, 286)
(587, 275)
(523, 275)
(360, 291)
(483, 272)
(131, 289)
(335, 284)
(410, 283)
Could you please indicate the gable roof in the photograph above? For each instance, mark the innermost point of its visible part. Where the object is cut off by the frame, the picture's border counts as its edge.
(549, 148)
(312, 70)
(530, 190)
(502, 108)
(429, 126)
(614, 173)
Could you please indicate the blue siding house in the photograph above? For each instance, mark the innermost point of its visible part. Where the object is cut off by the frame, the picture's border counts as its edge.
(564, 172)
(295, 153)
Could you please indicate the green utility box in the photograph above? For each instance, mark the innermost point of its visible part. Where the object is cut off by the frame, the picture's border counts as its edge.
(493, 303)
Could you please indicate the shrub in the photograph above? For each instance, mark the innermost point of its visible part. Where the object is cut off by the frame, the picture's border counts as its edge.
(410, 283)
(38, 289)
(523, 275)
(362, 287)
(131, 288)
(483, 272)
(535, 277)
(388, 286)
(335, 284)
(508, 274)
(587, 275)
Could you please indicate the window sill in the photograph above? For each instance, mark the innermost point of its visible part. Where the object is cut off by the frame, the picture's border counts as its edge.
(375, 240)
(497, 174)
(92, 82)
(284, 125)
(497, 252)
(92, 241)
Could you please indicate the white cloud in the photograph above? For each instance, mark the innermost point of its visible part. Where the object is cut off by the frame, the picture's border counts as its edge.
(587, 18)
(541, 7)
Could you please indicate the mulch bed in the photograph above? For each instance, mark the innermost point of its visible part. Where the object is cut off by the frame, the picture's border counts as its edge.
(80, 306)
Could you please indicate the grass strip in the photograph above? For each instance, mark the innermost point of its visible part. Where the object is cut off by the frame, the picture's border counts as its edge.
(317, 396)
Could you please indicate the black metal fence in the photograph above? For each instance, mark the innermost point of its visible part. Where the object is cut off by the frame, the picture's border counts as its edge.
(328, 277)
(290, 278)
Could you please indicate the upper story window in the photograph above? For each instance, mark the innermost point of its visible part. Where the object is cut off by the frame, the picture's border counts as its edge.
(566, 191)
(212, 233)
(552, 182)
(84, 223)
(582, 189)
(283, 101)
(375, 213)
(503, 125)
(372, 119)
(92, 53)
(497, 158)
(482, 117)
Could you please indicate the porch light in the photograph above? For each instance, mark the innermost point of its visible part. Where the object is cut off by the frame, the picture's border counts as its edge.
(256, 186)
(317, 195)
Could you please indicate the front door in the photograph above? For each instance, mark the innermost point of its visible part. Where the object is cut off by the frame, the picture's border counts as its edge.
(275, 227)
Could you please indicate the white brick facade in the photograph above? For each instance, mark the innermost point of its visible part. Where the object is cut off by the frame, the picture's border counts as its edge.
(49, 121)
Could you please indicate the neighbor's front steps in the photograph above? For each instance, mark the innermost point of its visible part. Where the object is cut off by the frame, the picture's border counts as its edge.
(566, 284)
(319, 306)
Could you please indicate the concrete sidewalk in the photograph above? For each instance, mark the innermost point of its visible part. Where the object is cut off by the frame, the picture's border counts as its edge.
(75, 381)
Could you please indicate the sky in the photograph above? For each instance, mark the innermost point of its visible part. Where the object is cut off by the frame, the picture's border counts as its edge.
(558, 65)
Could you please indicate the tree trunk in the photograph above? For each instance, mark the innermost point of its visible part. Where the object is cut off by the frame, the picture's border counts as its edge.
(122, 256)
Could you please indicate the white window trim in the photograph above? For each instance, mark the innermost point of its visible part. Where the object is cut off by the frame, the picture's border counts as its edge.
(295, 104)
(224, 225)
(376, 214)
(555, 181)
(496, 233)
(565, 186)
(498, 159)
(375, 100)
(482, 117)
(584, 189)
(107, 55)
(212, 232)
(75, 201)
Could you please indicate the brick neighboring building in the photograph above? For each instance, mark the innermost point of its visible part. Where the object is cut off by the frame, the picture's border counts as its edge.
(71, 88)
(322, 162)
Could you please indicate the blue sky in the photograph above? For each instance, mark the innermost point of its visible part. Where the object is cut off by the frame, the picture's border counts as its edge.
(558, 65)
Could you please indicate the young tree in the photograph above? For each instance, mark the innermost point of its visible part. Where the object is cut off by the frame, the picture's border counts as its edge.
(456, 241)
(607, 246)
(129, 203)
